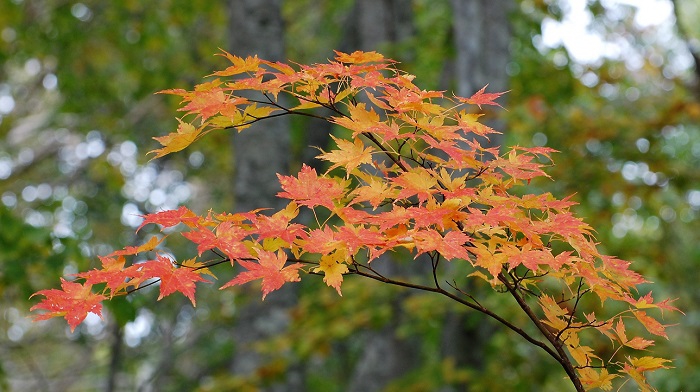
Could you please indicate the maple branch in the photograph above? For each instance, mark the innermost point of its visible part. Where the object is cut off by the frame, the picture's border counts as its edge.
(386, 152)
(454, 286)
(330, 107)
(358, 265)
(286, 111)
(518, 279)
(579, 294)
(561, 355)
(435, 260)
(462, 301)
(476, 175)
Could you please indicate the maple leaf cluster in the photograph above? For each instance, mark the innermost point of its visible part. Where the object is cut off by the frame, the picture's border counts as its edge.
(410, 175)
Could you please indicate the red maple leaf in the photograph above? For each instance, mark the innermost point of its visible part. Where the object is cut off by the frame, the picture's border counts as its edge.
(229, 238)
(321, 241)
(170, 218)
(357, 237)
(279, 226)
(112, 273)
(172, 278)
(270, 268)
(74, 301)
(439, 215)
(482, 98)
(203, 237)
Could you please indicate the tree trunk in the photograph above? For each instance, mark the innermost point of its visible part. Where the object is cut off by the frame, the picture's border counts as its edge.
(481, 38)
(385, 357)
(261, 151)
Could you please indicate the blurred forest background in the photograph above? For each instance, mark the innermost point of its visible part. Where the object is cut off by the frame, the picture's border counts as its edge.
(620, 98)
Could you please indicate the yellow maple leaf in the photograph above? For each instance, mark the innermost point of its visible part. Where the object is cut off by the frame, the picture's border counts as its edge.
(186, 134)
(417, 181)
(553, 312)
(348, 155)
(198, 267)
(592, 378)
(359, 120)
(333, 267)
(637, 366)
(240, 65)
(649, 363)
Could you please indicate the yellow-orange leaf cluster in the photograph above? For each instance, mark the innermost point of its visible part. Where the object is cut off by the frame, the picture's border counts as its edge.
(412, 176)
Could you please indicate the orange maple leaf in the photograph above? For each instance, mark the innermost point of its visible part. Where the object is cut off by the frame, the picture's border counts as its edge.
(482, 98)
(279, 226)
(375, 192)
(149, 245)
(450, 246)
(636, 343)
(356, 237)
(359, 57)
(651, 324)
(321, 241)
(74, 301)
(270, 268)
(240, 65)
(308, 189)
(206, 103)
(418, 181)
(470, 122)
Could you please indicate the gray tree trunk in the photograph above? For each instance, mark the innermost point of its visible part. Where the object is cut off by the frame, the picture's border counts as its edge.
(261, 151)
(385, 357)
(482, 36)
(375, 23)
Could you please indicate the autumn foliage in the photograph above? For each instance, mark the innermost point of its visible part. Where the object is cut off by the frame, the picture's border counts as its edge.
(407, 173)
